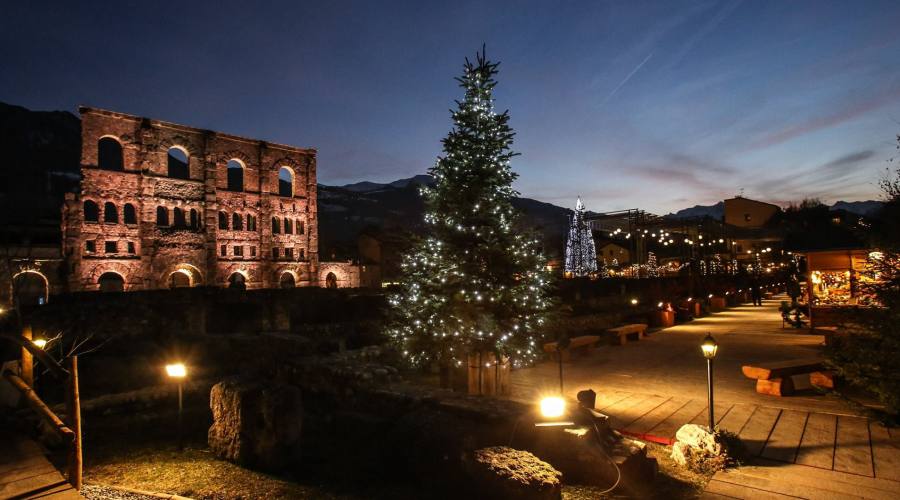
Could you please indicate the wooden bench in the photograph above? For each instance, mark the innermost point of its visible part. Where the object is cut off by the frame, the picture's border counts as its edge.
(581, 345)
(774, 379)
(622, 332)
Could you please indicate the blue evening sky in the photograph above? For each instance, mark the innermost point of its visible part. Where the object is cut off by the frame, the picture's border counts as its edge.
(654, 105)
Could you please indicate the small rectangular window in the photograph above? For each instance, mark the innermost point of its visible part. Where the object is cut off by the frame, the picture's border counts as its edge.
(223, 250)
(274, 253)
(238, 251)
(110, 247)
(131, 248)
(289, 253)
(90, 246)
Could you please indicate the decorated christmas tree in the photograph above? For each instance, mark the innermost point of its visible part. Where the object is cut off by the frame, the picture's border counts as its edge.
(475, 282)
(652, 266)
(581, 256)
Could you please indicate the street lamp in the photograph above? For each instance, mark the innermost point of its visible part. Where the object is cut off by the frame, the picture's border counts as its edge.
(178, 372)
(709, 348)
(40, 343)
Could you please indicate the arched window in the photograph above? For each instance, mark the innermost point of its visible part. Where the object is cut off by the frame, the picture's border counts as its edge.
(237, 222)
(178, 163)
(223, 220)
(288, 226)
(130, 214)
(111, 282)
(235, 175)
(330, 281)
(251, 223)
(237, 281)
(195, 219)
(179, 279)
(162, 216)
(178, 219)
(110, 213)
(287, 281)
(285, 182)
(276, 225)
(109, 154)
(300, 227)
(30, 288)
(91, 211)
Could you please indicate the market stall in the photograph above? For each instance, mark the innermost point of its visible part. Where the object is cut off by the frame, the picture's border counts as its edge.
(836, 284)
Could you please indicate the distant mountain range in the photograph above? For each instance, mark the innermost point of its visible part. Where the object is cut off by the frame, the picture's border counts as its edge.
(717, 211)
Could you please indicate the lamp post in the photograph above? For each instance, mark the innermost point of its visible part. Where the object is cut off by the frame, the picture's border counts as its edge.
(178, 372)
(709, 348)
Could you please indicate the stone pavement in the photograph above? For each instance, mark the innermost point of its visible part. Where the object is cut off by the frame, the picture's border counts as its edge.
(25, 472)
(806, 446)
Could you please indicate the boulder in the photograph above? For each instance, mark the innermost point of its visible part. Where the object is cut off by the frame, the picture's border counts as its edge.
(255, 424)
(700, 438)
(504, 473)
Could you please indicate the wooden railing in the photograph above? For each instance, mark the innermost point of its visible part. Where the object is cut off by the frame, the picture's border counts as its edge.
(70, 430)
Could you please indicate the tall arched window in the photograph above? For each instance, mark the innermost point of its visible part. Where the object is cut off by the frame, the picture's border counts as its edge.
(276, 225)
(235, 175)
(109, 154)
(237, 222)
(251, 223)
(288, 226)
(162, 216)
(110, 213)
(130, 214)
(195, 219)
(91, 211)
(223, 220)
(178, 218)
(178, 163)
(285, 182)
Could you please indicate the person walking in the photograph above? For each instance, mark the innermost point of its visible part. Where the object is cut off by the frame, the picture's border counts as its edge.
(756, 293)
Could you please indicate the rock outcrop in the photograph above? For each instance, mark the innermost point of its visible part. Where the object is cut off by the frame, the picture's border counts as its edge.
(504, 473)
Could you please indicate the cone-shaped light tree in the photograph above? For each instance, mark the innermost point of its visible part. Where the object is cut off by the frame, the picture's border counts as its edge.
(581, 256)
(474, 282)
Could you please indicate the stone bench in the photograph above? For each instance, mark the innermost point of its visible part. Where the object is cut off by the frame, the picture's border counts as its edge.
(580, 345)
(622, 332)
(774, 378)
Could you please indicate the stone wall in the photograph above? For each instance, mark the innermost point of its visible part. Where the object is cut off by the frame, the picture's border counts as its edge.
(192, 247)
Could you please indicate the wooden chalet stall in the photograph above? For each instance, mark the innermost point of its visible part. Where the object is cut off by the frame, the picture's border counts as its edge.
(833, 284)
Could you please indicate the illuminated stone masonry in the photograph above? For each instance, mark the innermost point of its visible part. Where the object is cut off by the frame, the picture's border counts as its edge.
(163, 205)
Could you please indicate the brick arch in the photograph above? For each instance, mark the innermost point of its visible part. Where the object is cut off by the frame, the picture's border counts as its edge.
(123, 270)
(339, 271)
(185, 265)
(236, 154)
(181, 142)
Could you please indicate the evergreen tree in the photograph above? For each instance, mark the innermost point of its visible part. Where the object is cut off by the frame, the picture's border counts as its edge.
(652, 266)
(473, 282)
(581, 255)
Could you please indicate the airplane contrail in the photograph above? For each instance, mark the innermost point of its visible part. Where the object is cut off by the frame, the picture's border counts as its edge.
(635, 70)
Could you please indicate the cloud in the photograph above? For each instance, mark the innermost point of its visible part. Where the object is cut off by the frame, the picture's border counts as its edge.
(848, 113)
(829, 175)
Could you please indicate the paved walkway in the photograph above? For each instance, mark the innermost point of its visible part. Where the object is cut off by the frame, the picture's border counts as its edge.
(25, 472)
(807, 446)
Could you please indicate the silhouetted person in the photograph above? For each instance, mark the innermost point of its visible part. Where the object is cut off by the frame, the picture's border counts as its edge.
(756, 293)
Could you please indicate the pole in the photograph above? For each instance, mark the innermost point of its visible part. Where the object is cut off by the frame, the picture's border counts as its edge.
(73, 411)
(709, 383)
(560, 355)
(180, 411)
(27, 363)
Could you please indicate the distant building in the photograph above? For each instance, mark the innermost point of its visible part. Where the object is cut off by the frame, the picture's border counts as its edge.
(747, 213)
(607, 252)
(163, 205)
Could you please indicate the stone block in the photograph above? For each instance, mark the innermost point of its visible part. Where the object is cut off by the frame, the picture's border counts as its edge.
(256, 424)
(501, 472)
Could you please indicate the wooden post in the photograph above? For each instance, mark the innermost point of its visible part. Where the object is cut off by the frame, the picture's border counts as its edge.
(27, 368)
(73, 414)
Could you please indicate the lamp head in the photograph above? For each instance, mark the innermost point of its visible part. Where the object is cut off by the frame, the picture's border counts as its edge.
(176, 370)
(40, 343)
(709, 347)
(553, 407)
(634, 302)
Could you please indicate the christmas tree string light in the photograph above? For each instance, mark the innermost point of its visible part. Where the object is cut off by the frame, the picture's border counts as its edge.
(581, 255)
(475, 282)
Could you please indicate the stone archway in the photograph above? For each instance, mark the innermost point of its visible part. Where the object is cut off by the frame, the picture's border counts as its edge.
(31, 288)
(237, 281)
(179, 279)
(287, 280)
(111, 282)
(331, 281)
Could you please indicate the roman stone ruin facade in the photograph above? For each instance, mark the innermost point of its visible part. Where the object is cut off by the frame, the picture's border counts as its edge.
(163, 205)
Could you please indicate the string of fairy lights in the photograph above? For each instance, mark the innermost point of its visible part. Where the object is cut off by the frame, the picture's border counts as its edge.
(474, 283)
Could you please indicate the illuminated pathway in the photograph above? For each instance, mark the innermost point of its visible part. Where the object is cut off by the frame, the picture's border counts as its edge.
(807, 446)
